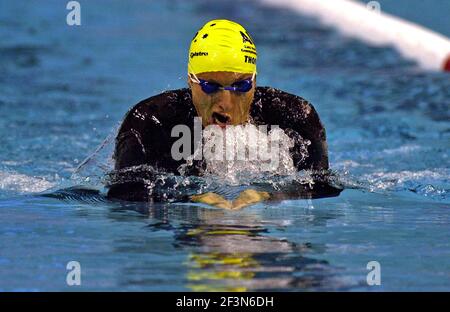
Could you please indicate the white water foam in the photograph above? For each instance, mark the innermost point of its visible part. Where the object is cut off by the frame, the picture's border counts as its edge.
(272, 151)
(11, 181)
(430, 183)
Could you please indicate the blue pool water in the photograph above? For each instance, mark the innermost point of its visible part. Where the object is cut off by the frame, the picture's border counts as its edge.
(64, 89)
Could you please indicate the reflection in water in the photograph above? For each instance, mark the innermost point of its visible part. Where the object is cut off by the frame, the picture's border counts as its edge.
(207, 249)
(241, 258)
(235, 252)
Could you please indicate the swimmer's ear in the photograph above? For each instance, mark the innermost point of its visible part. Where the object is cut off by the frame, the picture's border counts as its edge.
(189, 81)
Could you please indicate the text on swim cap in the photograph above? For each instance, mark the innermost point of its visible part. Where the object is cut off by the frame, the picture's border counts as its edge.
(249, 59)
(246, 38)
(199, 54)
(248, 51)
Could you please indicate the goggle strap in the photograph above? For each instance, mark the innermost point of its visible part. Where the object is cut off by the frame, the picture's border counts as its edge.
(196, 78)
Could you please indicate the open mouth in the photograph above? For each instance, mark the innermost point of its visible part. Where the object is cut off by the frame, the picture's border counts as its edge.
(220, 119)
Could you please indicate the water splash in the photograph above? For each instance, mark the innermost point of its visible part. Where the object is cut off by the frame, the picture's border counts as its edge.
(428, 183)
(246, 153)
(14, 182)
(230, 177)
(227, 176)
(93, 170)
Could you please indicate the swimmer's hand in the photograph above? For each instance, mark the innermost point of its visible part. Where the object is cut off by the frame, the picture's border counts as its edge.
(212, 199)
(246, 198)
(249, 197)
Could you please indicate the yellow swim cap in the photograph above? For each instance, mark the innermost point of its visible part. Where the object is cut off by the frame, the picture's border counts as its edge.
(222, 45)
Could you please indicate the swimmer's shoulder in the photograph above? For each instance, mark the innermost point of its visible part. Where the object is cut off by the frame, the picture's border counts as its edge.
(276, 106)
(164, 109)
(289, 111)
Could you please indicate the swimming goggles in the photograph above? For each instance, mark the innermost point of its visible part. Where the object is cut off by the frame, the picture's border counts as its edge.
(211, 87)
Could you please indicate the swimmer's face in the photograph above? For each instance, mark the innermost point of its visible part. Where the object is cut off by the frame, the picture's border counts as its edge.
(223, 107)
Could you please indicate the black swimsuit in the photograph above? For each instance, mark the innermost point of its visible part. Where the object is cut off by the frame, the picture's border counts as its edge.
(144, 137)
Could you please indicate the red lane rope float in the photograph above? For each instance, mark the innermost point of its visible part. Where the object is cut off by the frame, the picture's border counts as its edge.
(446, 66)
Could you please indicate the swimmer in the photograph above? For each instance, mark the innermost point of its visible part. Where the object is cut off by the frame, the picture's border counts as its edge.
(221, 91)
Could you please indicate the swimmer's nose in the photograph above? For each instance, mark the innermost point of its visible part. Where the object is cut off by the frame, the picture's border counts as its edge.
(225, 104)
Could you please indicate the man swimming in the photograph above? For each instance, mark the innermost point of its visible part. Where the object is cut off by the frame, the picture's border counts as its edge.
(222, 91)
